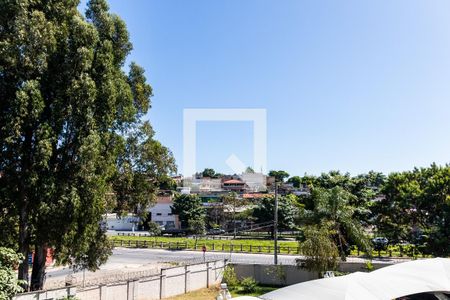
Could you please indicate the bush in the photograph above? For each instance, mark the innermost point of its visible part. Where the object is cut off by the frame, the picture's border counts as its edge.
(9, 285)
(249, 285)
(369, 266)
(230, 278)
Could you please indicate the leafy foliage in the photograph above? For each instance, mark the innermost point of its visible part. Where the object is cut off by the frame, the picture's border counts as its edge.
(209, 173)
(197, 226)
(295, 180)
(369, 266)
(232, 204)
(9, 285)
(318, 247)
(416, 208)
(229, 277)
(279, 175)
(188, 208)
(364, 187)
(249, 285)
(154, 229)
(72, 140)
(333, 211)
(287, 211)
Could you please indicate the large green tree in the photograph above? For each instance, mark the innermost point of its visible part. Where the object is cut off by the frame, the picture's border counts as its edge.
(208, 172)
(71, 130)
(232, 204)
(333, 211)
(280, 175)
(416, 208)
(189, 209)
(295, 180)
(319, 249)
(365, 188)
(287, 212)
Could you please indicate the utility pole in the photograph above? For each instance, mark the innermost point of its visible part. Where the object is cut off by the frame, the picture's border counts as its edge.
(275, 226)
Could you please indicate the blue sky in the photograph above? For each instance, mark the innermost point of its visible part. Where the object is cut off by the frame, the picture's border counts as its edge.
(348, 85)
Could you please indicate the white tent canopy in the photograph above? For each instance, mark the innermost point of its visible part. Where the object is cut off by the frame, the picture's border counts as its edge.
(419, 276)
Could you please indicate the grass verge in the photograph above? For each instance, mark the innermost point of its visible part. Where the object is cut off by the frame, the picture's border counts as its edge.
(238, 245)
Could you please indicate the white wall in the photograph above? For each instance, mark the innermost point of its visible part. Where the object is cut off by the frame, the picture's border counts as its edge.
(162, 214)
(125, 223)
(170, 282)
(290, 274)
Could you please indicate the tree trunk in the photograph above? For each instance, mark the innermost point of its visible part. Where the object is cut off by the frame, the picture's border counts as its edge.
(24, 248)
(24, 233)
(38, 273)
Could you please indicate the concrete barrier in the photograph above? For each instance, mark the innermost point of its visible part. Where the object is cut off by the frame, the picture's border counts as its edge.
(283, 275)
(170, 282)
(49, 294)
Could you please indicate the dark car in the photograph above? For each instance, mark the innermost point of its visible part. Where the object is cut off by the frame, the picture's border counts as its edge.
(380, 243)
(216, 231)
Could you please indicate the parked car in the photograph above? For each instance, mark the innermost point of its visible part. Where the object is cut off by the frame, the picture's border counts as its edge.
(380, 243)
(216, 231)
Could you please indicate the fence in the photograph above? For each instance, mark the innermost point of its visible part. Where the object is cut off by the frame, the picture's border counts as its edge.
(395, 251)
(104, 276)
(228, 236)
(224, 247)
(170, 282)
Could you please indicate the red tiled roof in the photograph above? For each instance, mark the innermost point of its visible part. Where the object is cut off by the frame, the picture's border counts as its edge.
(233, 181)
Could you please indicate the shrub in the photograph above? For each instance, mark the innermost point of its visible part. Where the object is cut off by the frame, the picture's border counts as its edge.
(369, 266)
(230, 278)
(9, 285)
(249, 285)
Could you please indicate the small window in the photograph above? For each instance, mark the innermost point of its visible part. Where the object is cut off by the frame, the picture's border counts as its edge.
(158, 214)
(169, 214)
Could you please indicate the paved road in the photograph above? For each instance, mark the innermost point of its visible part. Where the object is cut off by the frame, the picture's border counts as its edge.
(132, 258)
(157, 255)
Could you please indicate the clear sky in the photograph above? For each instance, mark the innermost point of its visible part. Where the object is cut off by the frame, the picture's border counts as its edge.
(349, 85)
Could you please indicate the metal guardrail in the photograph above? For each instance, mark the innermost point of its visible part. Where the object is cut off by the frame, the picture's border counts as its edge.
(224, 247)
(237, 247)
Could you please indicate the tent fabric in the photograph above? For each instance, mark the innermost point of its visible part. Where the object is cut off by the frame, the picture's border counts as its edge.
(418, 276)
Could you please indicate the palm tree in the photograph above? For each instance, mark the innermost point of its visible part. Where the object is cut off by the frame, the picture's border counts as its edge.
(332, 210)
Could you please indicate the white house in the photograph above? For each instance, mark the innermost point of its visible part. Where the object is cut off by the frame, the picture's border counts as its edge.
(202, 185)
(125, 223)
(256, 182)
(161, 213)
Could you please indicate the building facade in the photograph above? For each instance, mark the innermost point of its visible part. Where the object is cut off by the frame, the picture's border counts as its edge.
(161, 213)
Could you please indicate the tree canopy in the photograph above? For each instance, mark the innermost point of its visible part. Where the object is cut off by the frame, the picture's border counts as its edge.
(287, 212)
(189, 209)
(320, 251)
(333, 211)
(209, 173)
(72, 139)
(416, 208)
(279, 175)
